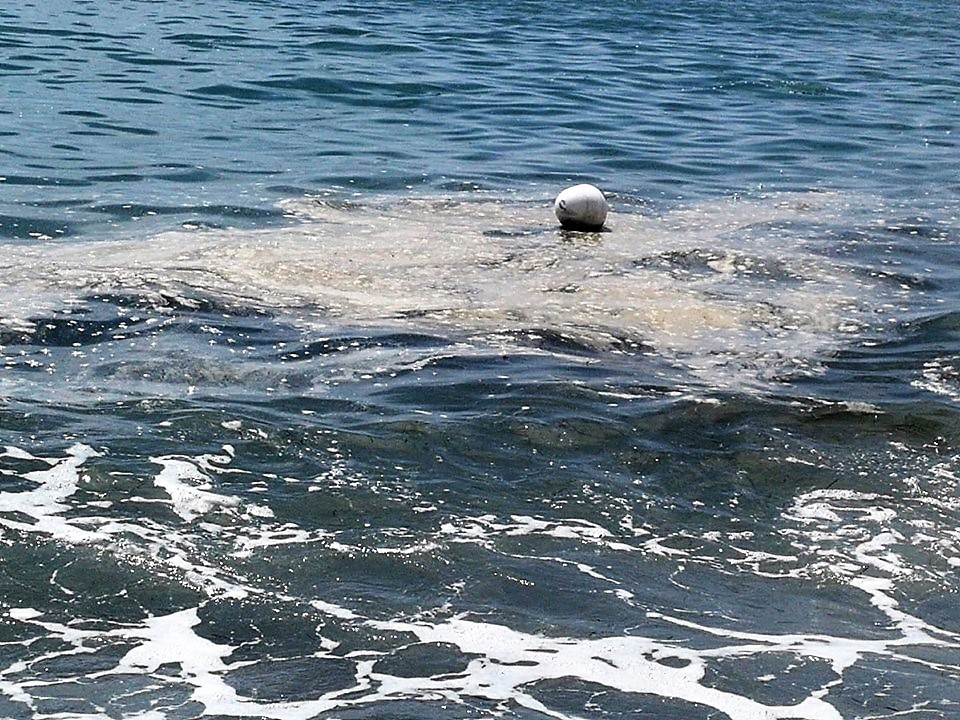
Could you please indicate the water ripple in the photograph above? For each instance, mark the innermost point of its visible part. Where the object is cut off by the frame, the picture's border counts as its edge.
(664, 101)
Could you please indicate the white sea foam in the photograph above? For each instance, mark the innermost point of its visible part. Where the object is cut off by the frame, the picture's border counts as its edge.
(850, 534)
(189, 489)
(45, 503)
(511, 661)
(853, 536)
(506, 665)
(45, 510)
(726, 289)
(941, 377)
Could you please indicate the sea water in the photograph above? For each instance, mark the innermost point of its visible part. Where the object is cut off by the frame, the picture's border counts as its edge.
(310, 409)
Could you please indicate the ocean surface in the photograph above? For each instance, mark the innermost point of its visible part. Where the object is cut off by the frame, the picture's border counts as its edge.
(310, 409)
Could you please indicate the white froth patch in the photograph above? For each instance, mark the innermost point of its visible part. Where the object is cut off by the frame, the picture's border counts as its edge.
(511, 660)
(171, 639)
(23, 613)
(190, 490)
(20, 454)
(855, 537)
(940, 376)
(44, 510)
(45, 504)
(336, 611)
(505, 664)
(256, 539)
(484, 528)
(851, 531)
(701, 285)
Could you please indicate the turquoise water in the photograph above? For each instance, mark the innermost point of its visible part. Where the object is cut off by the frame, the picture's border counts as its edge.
(309, 408)
(220, 109)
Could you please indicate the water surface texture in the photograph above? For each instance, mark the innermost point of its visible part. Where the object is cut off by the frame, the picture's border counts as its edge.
(310, 409)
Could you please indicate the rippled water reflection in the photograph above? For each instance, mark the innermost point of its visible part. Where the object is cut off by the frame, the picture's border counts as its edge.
(216, 111)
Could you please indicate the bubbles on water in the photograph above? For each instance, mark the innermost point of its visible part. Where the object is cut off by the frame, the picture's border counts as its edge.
(614, 639)
(736, 292)
(475, 465)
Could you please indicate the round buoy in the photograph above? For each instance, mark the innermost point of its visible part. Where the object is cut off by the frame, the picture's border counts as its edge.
(581, 207)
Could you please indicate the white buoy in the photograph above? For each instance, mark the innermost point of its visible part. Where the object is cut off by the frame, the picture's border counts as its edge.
(581, 207)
